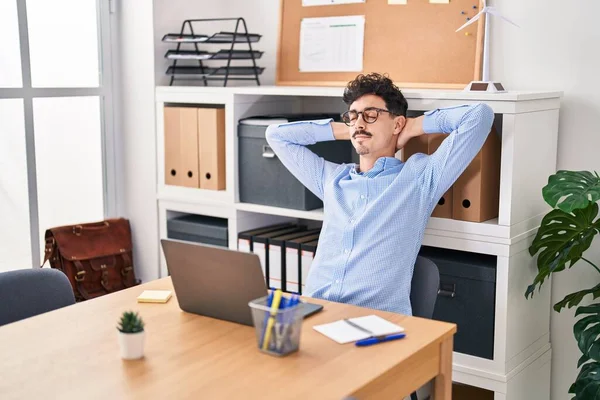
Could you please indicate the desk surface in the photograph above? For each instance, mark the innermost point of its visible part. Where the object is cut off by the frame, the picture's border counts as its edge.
(73, 353)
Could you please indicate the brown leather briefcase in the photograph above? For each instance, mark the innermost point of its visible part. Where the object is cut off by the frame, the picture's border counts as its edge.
(96, 257)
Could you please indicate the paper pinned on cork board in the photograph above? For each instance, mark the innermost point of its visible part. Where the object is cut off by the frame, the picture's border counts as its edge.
(306, 3)
(332, 44)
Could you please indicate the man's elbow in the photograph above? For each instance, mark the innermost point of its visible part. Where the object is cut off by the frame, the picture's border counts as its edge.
(272, 133)
(484, 114)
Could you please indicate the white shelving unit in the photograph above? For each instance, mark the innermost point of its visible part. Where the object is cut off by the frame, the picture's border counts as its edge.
(528, 123)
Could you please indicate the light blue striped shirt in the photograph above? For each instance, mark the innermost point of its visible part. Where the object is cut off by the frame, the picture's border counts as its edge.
(374, 222)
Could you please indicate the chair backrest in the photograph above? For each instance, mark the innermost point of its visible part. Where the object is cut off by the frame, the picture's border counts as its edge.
(424, 287)
(29, 292)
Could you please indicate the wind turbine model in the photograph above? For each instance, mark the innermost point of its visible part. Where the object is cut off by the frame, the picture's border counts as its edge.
(485, 85)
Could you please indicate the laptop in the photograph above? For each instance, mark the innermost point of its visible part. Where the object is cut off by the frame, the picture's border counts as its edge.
(217, 282)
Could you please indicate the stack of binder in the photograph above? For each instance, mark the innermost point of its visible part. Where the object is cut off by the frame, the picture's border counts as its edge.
(285, 252)
(194, 138)
(475, 195)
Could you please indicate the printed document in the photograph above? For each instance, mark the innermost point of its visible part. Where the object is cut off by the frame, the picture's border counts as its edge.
(328, 2)
(332, 44)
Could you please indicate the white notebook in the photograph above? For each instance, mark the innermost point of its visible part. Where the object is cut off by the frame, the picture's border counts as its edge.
(343, 332)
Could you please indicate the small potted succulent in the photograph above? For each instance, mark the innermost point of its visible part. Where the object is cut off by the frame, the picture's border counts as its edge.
(131, 336)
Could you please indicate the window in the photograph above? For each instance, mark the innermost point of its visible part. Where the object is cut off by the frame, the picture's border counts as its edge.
(68, 155)
(15, 240)
(63, 43)
(10, 53)
(54, 121)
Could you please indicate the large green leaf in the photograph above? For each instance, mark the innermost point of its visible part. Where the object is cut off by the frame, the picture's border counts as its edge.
(587, 331)
(571, 190)
(587, 384)
(562, 238)
(574, 299)
(587, 334)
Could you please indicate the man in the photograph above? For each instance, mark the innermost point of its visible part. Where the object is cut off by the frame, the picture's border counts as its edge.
(375, 212)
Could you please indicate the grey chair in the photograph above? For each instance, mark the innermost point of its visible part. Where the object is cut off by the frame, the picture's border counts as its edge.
(423, 291)
(424, 287)
(29, 292)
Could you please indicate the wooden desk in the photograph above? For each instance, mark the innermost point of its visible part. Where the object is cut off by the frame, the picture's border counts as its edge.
(73, 353)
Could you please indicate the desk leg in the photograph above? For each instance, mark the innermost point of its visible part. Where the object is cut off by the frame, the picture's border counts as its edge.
(443, 382)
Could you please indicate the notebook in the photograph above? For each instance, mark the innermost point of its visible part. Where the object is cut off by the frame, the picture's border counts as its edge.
(343, 332)
(154, 296)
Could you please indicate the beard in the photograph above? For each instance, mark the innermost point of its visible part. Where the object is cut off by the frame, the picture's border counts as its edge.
(361, 150)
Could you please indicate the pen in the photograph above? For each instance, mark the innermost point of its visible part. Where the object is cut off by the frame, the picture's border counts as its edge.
(268, 304)
(284, 338)
(379, 339)
(271, 321)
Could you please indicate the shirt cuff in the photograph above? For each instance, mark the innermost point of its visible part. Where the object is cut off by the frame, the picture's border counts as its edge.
(430, 123)
(323, 131)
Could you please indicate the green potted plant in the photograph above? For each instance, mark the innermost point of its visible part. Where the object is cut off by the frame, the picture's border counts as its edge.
(131, 336)
(565, 233)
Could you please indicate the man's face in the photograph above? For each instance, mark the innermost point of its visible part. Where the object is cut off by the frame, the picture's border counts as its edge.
(368, 137)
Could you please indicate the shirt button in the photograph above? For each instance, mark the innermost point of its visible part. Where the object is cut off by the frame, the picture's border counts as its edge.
(346, 251)
(337, 281)
(362, 196)
(352, 221)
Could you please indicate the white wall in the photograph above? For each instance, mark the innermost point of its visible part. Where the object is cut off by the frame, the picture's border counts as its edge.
(168, 18)
(170, 14)
(556, 48)
(135, 132)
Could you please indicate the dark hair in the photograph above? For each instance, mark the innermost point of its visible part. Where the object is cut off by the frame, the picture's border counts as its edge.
(378, 85)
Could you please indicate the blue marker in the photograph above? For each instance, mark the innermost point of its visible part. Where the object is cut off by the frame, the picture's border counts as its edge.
(379, 339)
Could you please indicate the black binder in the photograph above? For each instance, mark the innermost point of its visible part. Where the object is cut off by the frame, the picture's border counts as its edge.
(307, 246)
(247, 235)
(282, 241)
(265, 237)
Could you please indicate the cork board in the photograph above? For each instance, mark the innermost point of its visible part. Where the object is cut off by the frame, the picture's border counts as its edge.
(415, 44)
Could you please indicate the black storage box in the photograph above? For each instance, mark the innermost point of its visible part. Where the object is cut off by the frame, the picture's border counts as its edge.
(467, 297)
(263, 179)
(199, 229)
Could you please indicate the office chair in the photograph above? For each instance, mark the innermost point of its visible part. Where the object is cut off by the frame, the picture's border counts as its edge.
(423, 291)
(29, 292)
(424, 287)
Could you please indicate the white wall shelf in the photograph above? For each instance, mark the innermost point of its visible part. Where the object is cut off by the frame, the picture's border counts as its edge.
(488, 231)
(528, 126)
(194, 195)
(316, 215)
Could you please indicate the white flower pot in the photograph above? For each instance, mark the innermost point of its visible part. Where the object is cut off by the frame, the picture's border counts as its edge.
(132, 345)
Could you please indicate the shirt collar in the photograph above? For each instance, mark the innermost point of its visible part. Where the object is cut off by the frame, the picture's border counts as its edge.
(382, 164)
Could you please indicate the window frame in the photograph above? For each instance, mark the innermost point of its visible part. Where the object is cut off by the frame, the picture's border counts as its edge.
(105, 92)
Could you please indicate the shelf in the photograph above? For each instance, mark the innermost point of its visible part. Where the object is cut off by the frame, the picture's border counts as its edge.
(220, 37)
(488, 231)
(316, 215)
(214, 71)
(522, 349)
(337, 92)
(193, 195)
(206, 55)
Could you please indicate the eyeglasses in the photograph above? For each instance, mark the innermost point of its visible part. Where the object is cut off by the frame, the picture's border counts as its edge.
(370, 115)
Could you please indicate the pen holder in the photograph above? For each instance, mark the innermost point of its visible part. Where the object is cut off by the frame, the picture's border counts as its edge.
(278, 335)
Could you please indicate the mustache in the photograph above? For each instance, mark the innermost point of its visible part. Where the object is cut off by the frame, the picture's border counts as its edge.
(361, 132)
